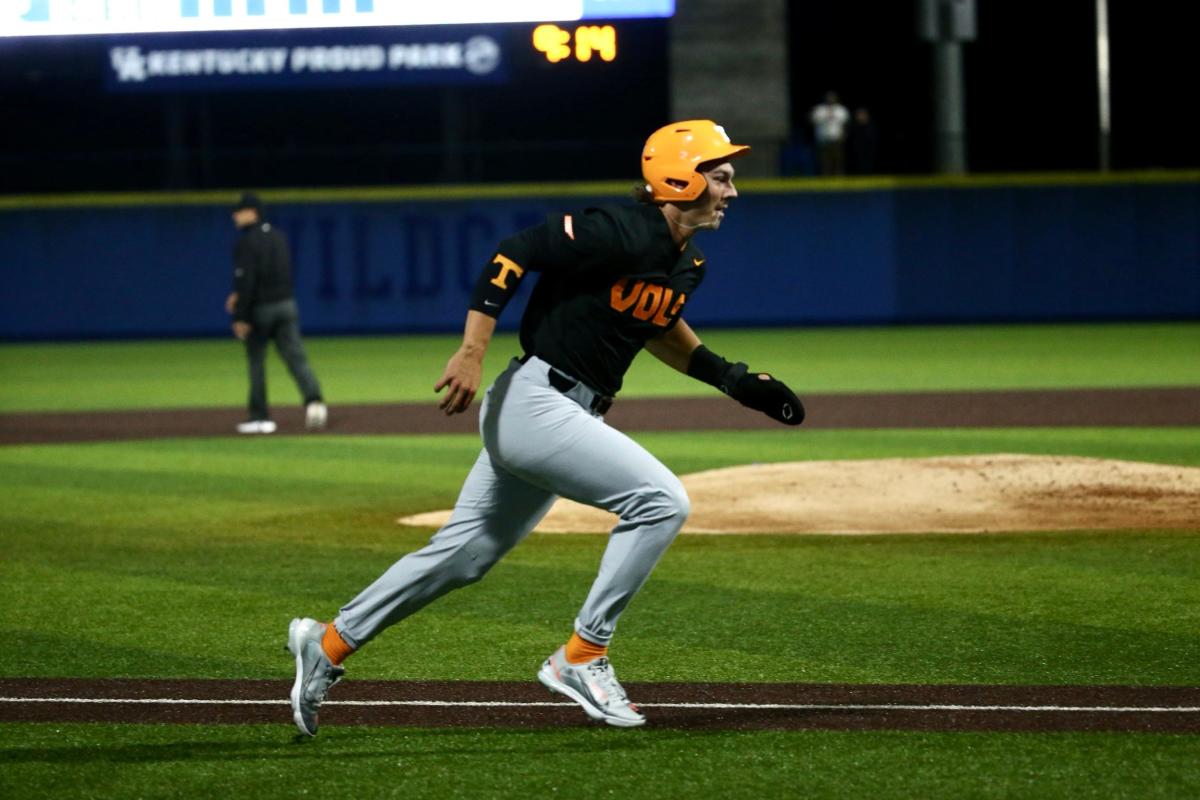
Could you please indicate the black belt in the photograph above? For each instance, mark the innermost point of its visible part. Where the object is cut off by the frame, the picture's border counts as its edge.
(601, 403)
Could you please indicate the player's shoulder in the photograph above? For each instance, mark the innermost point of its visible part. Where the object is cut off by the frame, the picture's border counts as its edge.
(629, 228)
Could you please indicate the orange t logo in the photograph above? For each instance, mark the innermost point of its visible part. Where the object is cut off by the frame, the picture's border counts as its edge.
(507, 265)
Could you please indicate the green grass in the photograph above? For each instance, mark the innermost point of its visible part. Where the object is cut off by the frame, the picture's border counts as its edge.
(173, 374)
(186, 558)
(256, 531)
(72, 761)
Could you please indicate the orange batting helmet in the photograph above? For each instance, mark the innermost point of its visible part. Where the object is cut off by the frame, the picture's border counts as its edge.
(673, 152)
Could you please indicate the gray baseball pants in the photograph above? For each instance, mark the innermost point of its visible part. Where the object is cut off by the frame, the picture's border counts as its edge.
(278, 321)
(539, 443)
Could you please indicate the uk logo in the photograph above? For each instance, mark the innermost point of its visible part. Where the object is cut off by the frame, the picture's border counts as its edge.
(128, 63)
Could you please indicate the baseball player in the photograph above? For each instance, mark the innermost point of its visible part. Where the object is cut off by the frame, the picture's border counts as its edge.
(612, 281)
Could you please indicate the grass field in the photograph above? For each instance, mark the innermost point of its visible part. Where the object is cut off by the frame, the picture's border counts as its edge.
(177, 761)
(66, 377)
(186, 558)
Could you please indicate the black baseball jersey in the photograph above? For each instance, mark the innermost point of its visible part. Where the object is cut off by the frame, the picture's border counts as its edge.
(611, 279)
(262, 268)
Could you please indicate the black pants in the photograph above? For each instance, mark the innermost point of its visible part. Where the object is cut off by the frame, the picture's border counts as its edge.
(832, 157)
(278, 322)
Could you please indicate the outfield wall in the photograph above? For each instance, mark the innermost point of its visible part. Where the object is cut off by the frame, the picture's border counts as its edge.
(790, 253)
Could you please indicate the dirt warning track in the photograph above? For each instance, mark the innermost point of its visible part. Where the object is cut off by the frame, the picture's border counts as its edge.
(691, 706)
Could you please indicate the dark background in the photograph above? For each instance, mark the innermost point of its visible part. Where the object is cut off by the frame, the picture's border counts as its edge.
(1031, 88)
(1031, 102)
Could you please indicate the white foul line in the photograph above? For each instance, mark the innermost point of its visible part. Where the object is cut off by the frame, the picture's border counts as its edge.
(703, 706)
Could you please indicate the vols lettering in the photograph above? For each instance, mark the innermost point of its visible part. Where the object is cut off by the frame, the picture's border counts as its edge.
(649, 301)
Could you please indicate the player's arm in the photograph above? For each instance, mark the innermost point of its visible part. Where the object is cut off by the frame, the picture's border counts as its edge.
(497, 283)
(581, 242)
(675, 347)
(245, 277)
(464, 370)
(757, 390)
(554, 244)
(245, 263)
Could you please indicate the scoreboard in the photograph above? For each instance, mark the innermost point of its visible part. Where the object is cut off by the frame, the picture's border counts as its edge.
(88, 17)
(556, 43)
(557, 96)
(446, 55)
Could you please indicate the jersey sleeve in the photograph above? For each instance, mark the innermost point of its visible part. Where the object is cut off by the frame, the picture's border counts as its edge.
(588, 242)
(245, 263)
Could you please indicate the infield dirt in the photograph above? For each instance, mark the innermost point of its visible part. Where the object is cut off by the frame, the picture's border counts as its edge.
(958, 494)
(971, 494)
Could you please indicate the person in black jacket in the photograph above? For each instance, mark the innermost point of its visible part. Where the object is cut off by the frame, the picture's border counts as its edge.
(264, 309)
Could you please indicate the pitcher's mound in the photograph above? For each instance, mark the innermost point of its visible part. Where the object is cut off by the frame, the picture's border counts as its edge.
(960, 494)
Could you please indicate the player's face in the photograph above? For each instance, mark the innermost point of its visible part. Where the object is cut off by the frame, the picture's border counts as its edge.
(719, 194)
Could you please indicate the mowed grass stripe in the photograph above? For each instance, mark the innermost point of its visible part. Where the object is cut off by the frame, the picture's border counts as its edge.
(191, 373)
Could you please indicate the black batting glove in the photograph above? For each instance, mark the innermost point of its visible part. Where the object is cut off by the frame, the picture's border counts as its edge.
(758, 391)
(769, 395)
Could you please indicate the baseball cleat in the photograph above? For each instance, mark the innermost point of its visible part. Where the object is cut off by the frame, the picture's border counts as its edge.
(593, 686)
(315, 673)
(256, 426)
(316, 414)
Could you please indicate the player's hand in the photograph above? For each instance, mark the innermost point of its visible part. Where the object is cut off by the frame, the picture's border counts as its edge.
(230, 302)
(241, 330)
(464, 371)
(770, 396)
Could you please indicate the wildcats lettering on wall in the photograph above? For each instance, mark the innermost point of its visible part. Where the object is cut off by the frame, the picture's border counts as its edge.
(876, 257)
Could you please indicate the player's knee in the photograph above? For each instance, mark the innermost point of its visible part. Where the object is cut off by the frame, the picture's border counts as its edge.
(668, 501)
(473, 562)
(472, 573)
(680, 502)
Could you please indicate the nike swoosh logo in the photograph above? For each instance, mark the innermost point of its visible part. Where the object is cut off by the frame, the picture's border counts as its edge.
(490, 303)
(697, 261)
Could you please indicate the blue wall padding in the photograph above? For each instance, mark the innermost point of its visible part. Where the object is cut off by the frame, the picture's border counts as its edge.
(800, 258)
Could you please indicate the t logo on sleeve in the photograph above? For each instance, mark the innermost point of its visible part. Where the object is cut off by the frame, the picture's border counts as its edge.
(507, 265)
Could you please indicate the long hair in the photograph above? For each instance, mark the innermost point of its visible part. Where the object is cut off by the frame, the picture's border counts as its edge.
(642, 194)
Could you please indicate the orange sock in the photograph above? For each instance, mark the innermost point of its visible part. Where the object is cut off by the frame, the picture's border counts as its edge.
(581, 651)
(334, 645)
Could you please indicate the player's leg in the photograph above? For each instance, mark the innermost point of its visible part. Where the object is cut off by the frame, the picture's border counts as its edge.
(291, 350)
(495, 511)
(544, 437)
(256, 360)
(651, 505)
